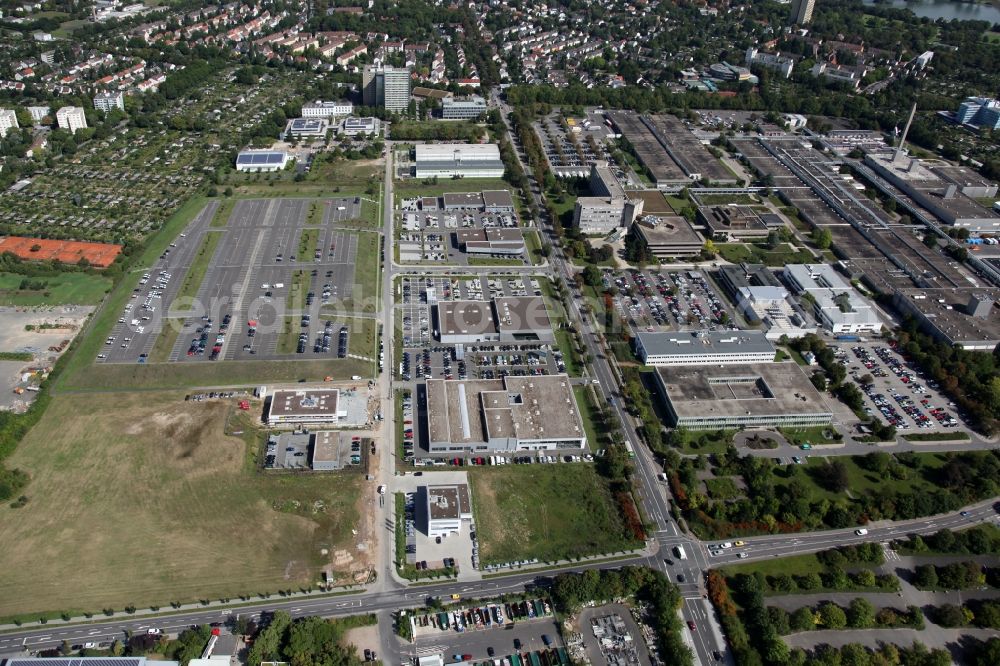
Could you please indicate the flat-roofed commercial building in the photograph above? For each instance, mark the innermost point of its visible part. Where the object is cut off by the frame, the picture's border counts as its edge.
(765, 395)
(261, 160)
(669, 236)
(462, 200)
(507, 319)
(498, 201)
(453, 108)
(835, 303)
(490, 241)
(447, 508)
(703, 348)
(354, 126)
(321, 109)
(733, 222)
(609, 207)
(449, 160)
(291, 407)
(511, 414)
(326, 450)
(306, 127)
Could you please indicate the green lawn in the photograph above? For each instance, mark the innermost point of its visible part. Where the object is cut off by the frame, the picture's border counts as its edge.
(494, 261)
(424, 187)
(948, 436)
(534, 245)
(781, 256)
(549, 512)
(64, 289)
(705, 441)
(814, 435)
(196, 272)
(165, 341)
(860, 480)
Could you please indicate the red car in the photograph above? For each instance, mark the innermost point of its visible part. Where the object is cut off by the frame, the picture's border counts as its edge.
(691, 625)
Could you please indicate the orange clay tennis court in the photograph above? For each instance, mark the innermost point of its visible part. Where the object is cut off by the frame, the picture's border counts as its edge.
(99, 255)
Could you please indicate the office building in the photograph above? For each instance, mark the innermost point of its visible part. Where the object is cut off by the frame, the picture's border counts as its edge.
(980, 112)
(773, 61)
(836, 305)
(353, 126)
(668, 236)
(71, 118)
(290, 407)
(8, 121)
(802, 11)
(305, 128)
(386, 87)
(491, 241)
(321, 109)
(454, 108)
(261, 160)
(447, 508)
(608, 207)
(703, 348)
(106, 101)
(326, 448)
(512, 414)
(479, 160)
(765, 395)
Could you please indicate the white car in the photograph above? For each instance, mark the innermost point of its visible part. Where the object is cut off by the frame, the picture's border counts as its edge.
(726, 545)
(861, 532)
(381, 490)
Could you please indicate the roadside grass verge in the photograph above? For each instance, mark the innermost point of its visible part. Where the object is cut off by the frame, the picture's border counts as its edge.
(221, 218)
(288, 339)
(950, 436)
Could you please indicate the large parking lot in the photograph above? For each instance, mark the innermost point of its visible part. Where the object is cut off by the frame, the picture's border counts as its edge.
(571, 147)
(898, 393)
(269, 276)
(669, 300)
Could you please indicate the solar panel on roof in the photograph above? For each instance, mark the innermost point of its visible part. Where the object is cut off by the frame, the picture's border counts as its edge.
(261, 158)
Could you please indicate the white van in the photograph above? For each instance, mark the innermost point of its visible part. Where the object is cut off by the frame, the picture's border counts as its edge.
(861, 532)
(679, 551)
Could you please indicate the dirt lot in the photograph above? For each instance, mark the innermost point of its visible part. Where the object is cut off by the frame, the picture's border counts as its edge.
(147, 501)
(14, 337)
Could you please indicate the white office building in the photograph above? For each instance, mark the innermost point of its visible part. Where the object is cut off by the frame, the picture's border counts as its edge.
(316, 406)
(321, 109)
(106, 101)
(704, 348)
(447, 508)
(453, 108)
(8, 121)
(353, 126)
(480, 160)
(262, 160)
(71, 118)
(609, 208)
(836, 305)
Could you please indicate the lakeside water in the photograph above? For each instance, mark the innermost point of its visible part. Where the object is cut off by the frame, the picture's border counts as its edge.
(945, 9)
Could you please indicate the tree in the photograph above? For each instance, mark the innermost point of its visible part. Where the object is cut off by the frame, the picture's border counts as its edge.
(833, 476)
(592, 276)
(802, 619)
(831, 615)
(925, 576)
(861, 614)
(949, 615)
(822, 237)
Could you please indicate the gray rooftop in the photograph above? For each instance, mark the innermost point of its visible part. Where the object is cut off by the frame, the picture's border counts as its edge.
(758, 389)
(697, 343)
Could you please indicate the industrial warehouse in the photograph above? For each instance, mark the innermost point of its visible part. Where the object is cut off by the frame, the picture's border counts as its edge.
(703, 348)
(457, 161)
(510, 414)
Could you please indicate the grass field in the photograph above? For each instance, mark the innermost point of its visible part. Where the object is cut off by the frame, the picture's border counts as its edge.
(812, 436)
(196, 271)
(706, 441)
(165, 341)
(587, 414)
(534, 245)
(565, 341)
(146, 500)
(549, 512)
(63, 289)
(325, 179)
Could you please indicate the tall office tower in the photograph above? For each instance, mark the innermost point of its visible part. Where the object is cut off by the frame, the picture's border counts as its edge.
(388, 87)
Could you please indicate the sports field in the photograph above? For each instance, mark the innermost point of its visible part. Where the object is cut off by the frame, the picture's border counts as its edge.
(549, 512)
(142, 499)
